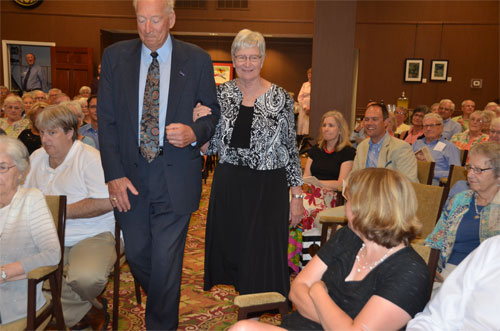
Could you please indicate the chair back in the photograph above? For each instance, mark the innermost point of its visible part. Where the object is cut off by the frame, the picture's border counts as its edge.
(463, 156)
(430, 200)
(425, 172)
(57, 207)
(456, 173)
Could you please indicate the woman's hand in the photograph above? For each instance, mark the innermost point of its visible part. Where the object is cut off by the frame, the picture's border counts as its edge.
(200, 111)
(296, 211)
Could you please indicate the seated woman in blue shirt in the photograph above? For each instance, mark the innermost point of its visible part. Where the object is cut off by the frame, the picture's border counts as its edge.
(471, 216)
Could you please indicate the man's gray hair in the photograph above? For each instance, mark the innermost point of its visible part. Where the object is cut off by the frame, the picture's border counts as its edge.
(433, 116)
(463, 102)
(448, 100)
(247, 39)
(169, 5)
(16, 150)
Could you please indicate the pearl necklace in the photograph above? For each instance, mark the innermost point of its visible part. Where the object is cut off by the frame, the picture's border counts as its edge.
(367, 266)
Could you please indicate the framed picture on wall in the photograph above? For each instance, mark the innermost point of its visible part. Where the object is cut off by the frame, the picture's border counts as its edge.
(413, 70)
(439, 70)
(223, 71)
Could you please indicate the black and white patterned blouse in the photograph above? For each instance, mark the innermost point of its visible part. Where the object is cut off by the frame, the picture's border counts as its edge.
(273, 143)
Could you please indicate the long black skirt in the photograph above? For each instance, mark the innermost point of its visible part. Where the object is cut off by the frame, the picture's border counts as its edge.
(247, 230)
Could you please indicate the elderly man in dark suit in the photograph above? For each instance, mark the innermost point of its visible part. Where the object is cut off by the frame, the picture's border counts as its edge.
(150, 149)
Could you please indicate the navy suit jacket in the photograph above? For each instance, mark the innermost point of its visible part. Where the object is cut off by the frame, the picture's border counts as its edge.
(191, 81)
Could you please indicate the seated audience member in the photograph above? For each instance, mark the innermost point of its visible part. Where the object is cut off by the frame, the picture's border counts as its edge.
(28, 101)
(450, 127)
(4, 90)
(85, 109)
(465, 140)
(13, 123)
(66, 166)
(495, 130)
(52, 95)
(31, 136)
(358, 134)
(85, 92)
(330, 161)
(468, 107)
(488, 116)
(28, 237)
(444, 152)
(494, 107)
(367, 276)
(435, 107)
(77, 109)
(62, 97)
(471, 216)
(417, 130)
(383, 150)
(401, 114)
(468, 299)
(91, 130)
(39, 96)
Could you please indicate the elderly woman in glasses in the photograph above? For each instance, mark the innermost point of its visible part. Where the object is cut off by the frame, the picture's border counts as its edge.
(28, 237)
(249, 212)
(471, 216)
(474, 135)
(367, 276)
(14, 123)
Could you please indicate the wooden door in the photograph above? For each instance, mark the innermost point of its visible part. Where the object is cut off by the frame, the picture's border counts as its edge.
(71, 68)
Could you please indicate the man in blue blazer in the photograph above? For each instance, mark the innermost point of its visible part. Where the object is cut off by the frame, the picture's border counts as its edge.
(154, 198)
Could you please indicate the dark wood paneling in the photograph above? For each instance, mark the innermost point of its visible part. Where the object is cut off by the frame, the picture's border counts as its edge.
(333, 60)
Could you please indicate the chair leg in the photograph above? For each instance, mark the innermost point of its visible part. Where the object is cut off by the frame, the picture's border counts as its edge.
(283, 308)
(137, 291)
(116, 294)
(56, 301)
(243, 313)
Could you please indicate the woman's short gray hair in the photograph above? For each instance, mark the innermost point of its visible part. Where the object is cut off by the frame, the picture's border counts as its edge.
(247, 39)
(84, 88)
(14, 99)
(58, 116)
(491, 151)
(76, 106)
(16, 150)
(434, 116)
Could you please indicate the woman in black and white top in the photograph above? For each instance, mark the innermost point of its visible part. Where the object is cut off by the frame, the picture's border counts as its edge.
(250, 209)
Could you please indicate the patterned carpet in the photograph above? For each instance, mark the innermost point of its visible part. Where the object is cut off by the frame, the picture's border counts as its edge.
(199, 310)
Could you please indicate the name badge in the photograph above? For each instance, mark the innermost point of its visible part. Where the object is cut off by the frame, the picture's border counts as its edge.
(439, 146)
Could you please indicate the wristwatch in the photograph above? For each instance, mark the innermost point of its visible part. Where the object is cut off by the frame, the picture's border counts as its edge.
(298, 196)
(3, 275)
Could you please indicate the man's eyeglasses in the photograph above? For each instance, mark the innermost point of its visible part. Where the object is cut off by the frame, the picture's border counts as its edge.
(428, 126)
(244, 58)
(4, 167)
(475, 170)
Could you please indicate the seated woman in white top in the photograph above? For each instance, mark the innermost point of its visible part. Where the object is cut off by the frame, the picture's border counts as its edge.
(28, 237)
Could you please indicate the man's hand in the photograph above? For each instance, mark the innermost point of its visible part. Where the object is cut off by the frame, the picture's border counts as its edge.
(118, 193)
(180, 135)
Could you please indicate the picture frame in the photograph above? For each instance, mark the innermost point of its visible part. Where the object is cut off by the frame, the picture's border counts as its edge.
(413, 70)
(439, 70)
(223, 71)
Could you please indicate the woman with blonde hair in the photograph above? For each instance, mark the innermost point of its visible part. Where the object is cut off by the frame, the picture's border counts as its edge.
(31, 136)
(327, 165)
(367, 276)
